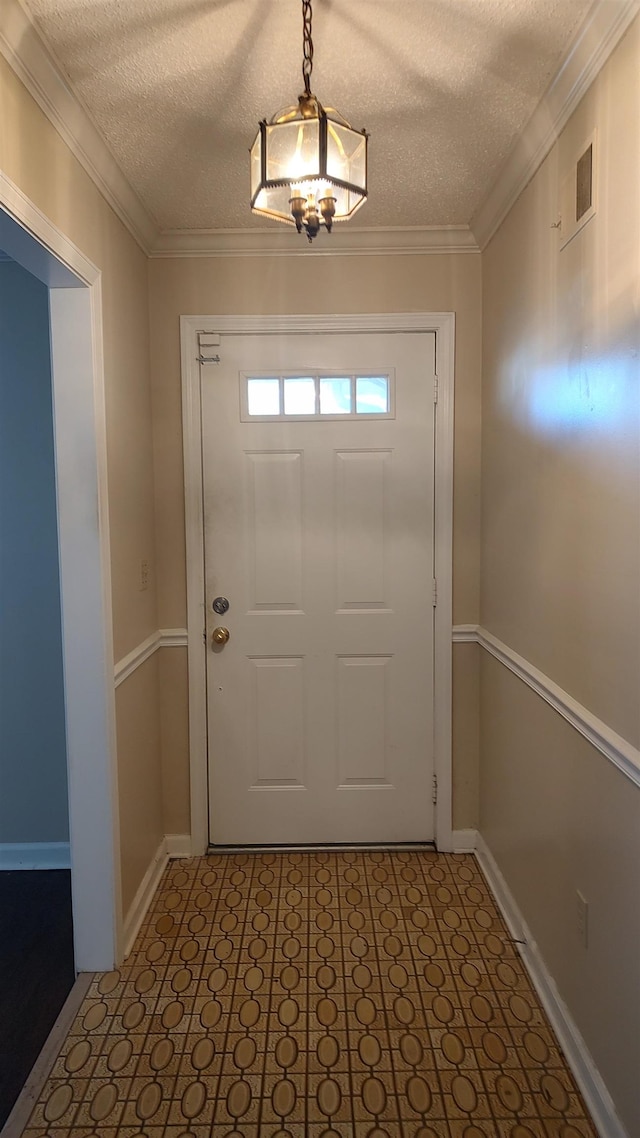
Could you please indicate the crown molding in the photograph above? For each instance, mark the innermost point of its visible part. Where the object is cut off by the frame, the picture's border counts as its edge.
(35, 65)
(283, 241)
(601, 31)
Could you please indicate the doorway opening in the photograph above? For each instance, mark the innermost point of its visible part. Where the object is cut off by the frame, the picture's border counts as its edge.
(36, 928)
(72, 300)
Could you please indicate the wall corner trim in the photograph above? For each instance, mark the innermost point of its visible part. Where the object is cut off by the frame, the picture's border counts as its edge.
(163, 638)
(464, 634)
(587, 1076)
(178, 845)
(35, 855)
(596, 39)
(464, 841)
(619, 751)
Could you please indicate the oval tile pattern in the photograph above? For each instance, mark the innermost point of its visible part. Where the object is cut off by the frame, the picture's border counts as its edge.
(173, 1014)
(418, 1094)
(193, 1100)
(58, 1103)
(161, 1055)
(374, 1096)
(94, 1017)
(202, 1054)
(78, 1056)
(411, 1050)
(283, 1098)
(287, 1051)
(238, 1098)
(369, 1050)
(349, 966)
(464, 1093)
(244, 1053)
(148, 1100)
(329, 1097)
(328, 1052)
(119, 1055)
(103, 1102)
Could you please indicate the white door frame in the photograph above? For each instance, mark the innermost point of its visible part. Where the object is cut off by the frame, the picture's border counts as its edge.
(443, 324)
(77, 377)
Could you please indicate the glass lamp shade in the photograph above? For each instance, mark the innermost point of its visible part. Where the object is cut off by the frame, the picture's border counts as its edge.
(308, 158)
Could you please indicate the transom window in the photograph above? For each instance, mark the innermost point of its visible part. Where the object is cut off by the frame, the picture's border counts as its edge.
(322, 396)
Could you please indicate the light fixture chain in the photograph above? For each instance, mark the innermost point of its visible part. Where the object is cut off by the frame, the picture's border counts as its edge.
(307, 45)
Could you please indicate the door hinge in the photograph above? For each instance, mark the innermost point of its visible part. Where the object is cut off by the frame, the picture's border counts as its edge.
(207, 341)
(435, 388)
(435, 593)
(435, 789)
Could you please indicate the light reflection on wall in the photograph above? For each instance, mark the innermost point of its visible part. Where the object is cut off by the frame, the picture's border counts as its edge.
(594, 396)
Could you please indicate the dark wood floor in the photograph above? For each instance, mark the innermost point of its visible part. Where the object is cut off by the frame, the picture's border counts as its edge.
(36, 969)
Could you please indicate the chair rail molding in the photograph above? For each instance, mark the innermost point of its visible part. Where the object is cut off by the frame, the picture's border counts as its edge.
(163, 638)
(619, 751)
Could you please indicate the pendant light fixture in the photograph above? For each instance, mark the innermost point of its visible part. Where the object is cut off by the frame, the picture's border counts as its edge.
(308, 166)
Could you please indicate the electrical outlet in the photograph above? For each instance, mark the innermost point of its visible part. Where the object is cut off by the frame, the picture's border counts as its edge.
(582, 913)
(144, 575)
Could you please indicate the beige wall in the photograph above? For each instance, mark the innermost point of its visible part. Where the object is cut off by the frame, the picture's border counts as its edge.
(561, 566)
(34, 156)
(558, 817)
(201, 286)
(140, 788)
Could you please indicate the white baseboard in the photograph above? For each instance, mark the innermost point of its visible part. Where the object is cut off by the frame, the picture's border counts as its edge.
(463, 841)
(143, 898)
(173, 845)
(35, 855)
(586, 1074)
(178, 845)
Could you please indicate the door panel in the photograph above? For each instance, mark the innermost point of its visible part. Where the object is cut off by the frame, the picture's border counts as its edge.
(320, 533)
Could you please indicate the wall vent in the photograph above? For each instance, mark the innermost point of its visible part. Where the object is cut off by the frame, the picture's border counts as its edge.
(584, 182)
(577, 191)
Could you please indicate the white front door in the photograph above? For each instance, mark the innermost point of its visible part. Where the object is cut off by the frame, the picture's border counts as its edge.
(318, 471)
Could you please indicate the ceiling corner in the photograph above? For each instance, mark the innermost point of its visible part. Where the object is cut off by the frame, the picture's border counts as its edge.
(35, 65)
(595, 40)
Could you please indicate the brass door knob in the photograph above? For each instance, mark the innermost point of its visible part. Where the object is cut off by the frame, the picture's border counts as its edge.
(220, 635)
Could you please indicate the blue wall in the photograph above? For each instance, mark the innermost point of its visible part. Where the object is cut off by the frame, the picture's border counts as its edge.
(33, 773)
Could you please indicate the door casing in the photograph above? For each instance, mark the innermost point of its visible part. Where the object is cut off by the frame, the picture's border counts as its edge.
(443, 325)
(77, 376)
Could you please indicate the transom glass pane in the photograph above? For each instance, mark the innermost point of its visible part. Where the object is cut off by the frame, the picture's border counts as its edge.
(263, 396)
(300, 395)
(372, 395)
(335, 395)
(316, 396)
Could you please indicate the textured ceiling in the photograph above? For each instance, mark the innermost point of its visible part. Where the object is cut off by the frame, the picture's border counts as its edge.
(177, 87)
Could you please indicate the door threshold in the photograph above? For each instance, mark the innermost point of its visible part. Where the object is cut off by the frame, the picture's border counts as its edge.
(328, 847)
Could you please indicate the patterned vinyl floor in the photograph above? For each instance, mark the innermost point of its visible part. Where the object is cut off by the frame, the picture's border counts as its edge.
(330, 995)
